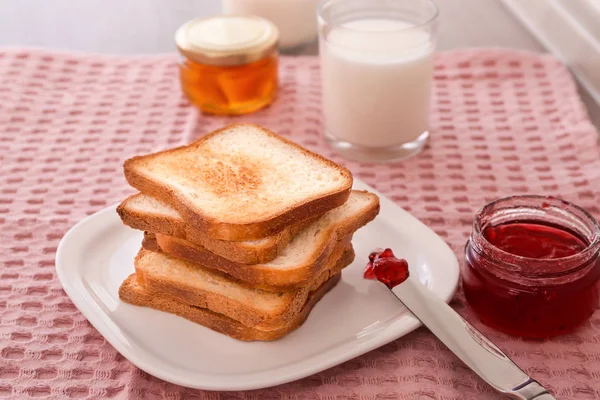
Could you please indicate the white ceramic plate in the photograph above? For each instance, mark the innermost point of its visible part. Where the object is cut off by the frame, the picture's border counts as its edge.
(357, 316)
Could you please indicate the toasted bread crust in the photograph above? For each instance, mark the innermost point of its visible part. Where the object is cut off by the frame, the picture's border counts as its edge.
(246, 314)
(257, 276)
(239, 252)
(132, 293)
(268, 278)
(214, 228)
(151, 223)
(149, 242)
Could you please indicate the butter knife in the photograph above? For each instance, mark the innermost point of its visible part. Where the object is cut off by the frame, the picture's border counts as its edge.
(474, 349)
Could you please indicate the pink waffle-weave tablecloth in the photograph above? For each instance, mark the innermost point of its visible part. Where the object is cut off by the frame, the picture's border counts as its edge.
(503, 122)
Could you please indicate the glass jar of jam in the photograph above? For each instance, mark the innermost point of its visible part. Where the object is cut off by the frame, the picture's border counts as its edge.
(230, 63)
(532, 265)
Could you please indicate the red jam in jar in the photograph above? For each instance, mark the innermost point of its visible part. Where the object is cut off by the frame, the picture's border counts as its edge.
(532, 265)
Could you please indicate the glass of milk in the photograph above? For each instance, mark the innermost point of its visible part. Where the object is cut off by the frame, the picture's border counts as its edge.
(295, 19)
(377, 67)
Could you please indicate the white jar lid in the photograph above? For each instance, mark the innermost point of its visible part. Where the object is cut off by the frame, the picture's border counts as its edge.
(227, 40)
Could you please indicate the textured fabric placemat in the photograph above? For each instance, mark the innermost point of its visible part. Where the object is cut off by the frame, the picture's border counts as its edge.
(503, 122)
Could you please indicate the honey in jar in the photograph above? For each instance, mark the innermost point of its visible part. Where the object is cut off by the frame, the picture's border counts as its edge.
(230, 63)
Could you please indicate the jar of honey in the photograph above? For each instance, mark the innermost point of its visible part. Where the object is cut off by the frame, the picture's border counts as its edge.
(230, 63)
(532, 265)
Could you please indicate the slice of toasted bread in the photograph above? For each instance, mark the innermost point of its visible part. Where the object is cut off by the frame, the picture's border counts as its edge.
(241, 182)
(146, 213)
(133, 293)
(190, 253)
(299, 261)
(189, 284)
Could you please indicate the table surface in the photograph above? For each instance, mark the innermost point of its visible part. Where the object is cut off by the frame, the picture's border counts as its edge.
(505, 122)
(53, 192)
(147, 26)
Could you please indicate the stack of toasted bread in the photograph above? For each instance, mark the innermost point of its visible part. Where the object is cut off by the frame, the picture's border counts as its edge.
(244, 231)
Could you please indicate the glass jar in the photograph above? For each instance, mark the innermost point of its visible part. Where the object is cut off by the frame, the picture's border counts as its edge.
(230, 63)
(532, 266)
(296, 19)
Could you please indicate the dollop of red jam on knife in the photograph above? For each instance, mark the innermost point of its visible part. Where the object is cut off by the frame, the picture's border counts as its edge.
(386, 268)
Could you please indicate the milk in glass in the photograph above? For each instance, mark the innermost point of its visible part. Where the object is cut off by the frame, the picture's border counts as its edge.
(376, 76)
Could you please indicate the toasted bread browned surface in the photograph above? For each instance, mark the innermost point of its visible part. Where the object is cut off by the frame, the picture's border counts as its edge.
(133, 293)
(241, 182)
(186, 283)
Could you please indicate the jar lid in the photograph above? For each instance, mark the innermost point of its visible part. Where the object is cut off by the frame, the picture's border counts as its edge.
(227, 40)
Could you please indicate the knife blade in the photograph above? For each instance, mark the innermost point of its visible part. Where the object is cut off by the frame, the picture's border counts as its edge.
(466, 342)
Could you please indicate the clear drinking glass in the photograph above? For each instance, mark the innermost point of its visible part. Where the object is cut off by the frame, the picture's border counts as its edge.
(377, 67)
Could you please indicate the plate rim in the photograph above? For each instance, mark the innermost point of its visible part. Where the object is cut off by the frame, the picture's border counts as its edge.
(96, 317)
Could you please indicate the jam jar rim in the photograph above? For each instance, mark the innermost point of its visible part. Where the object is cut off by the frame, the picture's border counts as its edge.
(587, 253)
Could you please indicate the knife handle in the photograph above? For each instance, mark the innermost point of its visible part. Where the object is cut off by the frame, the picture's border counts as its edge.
(470, 345)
